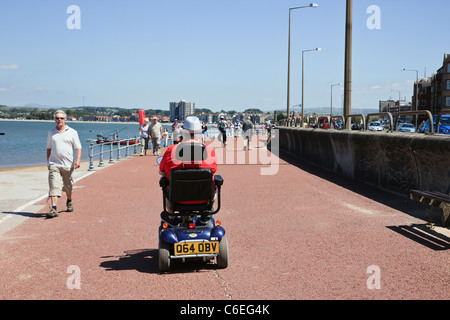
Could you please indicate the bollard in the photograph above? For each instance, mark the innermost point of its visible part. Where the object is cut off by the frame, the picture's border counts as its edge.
(91, 157)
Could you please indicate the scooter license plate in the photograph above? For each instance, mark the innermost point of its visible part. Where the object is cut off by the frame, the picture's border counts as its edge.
(205, 247)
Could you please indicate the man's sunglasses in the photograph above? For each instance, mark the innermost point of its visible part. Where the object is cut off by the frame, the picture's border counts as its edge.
(60, 118)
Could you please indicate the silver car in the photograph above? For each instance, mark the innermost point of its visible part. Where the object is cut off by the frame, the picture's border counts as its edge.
(406, 127)
(375, 126)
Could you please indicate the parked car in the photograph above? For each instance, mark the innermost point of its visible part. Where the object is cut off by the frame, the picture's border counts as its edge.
(337, 125)
(357, 126)
(444, 126)
(375, 126)
(406, 127)
(421, 127)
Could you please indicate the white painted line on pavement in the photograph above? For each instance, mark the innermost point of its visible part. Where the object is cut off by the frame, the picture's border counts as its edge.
(10, 215)
(21, 208)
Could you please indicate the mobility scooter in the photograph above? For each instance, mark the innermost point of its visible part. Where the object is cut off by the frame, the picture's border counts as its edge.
(188, 229)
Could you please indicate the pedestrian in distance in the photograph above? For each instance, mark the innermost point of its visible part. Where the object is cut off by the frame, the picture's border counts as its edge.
(175, 131)
(165, 137)
(61, 141)
(247, 128)
(156, 134)
(204, 129)
(236, 130)
(222, 125)
(143, 130)
(268, 130)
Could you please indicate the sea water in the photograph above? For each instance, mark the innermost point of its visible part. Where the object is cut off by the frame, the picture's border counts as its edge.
(24, 143)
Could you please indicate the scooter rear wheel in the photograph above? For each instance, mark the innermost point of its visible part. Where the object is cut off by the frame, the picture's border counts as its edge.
(163, 256)
(222, 258)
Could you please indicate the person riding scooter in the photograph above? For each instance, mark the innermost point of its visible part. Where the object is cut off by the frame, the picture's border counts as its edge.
(192, 134)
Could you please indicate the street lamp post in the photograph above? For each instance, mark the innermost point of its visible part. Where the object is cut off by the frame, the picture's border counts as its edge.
(348, 63)
(311, 5)
(303, 76)
(331, 102)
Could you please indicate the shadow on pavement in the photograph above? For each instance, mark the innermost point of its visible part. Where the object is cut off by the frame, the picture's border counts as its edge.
(27, 214)
(423, 235)
(393, 200)
(146, 261)
(142, 260)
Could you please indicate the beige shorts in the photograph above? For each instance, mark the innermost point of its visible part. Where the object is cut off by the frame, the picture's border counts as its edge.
(59, 179)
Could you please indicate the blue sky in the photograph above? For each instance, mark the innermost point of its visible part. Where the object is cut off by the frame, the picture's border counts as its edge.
(219, 54)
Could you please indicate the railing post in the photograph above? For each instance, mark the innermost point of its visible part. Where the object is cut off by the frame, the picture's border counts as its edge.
(126, 150)
(135, 145)
(111, 160)
(100, 163)
(118, 150)
(91, 157)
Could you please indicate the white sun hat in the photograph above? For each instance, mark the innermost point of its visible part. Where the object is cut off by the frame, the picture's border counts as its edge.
(192, 124)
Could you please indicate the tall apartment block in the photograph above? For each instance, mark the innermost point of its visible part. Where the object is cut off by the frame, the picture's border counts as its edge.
(181, 110)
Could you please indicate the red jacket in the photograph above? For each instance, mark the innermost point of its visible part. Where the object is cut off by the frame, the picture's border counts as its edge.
(169, 162)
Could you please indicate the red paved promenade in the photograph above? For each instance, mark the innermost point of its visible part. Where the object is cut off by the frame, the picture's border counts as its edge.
(301, 233)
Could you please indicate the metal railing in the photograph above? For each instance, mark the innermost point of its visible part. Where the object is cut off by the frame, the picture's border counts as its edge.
(386, 114)
(365, 120)
(413, 113)
(120, 145)
(350, 116)
(342, 120)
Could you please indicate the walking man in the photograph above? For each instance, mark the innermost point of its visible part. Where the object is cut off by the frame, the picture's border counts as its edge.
(156, 134)
(61, 141)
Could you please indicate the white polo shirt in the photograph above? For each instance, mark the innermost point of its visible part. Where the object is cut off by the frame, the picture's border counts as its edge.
(62, 145)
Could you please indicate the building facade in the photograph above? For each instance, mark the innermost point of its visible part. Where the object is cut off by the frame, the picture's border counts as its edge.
(394, 107)
(440, 87)
(423, 88)
(446, 82)
(181, 110)
(433, 94)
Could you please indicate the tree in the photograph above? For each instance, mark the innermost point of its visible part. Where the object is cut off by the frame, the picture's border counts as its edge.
(281, 116)
(252, 110)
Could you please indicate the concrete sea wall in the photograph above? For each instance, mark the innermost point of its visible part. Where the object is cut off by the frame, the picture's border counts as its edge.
(398, 162)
